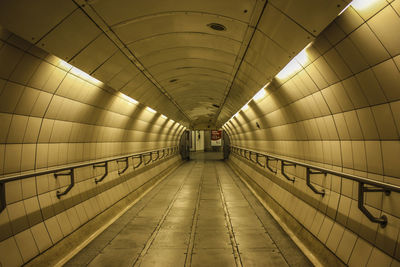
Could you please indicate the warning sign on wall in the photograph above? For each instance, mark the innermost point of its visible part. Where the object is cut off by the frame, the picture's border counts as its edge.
(216, 138)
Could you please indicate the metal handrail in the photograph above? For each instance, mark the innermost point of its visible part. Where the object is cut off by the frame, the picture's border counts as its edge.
(374, 186)
(60, 171)
(39, 172)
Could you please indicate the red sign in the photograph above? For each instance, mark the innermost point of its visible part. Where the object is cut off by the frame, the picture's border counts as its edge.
(216, 135)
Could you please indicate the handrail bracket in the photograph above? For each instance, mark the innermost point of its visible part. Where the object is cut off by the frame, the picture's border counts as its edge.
(2, 196)
(258, 162)
(150, 159)
(310, 185)
(140, 162)
(102, 165)
(283, 165)
(71, 184)
(363, 189)
(163, 154)
(125, 160)
(268, 159)
(157, 156)
(250, 158)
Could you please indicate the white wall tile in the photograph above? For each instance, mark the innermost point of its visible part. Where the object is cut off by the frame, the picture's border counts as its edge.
(42, 238)
(390, 152)
(10, 255)
(361, 253)
(385, 25)
(384, 121)
(388, 77)
(17, 129)
(369, 45)
(5, 122)
(10, 96)
(371, 87)
(27, 245)
(346, 245)
(368, 125)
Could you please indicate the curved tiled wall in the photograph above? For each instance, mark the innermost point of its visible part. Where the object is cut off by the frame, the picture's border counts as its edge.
(341, 110)
(52, 116)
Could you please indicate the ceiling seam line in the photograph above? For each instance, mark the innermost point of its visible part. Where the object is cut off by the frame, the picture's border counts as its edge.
(129, 21)
(240, 64)
(188, 32)
(119, 48)
(55, 26)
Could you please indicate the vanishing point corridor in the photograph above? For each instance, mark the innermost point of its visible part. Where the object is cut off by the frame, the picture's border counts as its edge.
(200, 215)
(200, 133)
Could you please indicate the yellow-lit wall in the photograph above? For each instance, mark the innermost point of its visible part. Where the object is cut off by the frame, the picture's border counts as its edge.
(50, 117)
(340, 111)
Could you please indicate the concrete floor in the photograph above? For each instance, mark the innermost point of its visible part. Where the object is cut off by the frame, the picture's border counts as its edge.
(201, 215)
(199, 155)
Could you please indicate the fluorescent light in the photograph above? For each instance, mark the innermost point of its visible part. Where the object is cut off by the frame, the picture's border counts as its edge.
(344, 9)
(151, 110)
(65, 64)
(81, 74)
(245, 107)
(163, 116)
(294, 65)
(128, 98)
(261, 94)
(363, 4)
(289, 69)
(84, 75)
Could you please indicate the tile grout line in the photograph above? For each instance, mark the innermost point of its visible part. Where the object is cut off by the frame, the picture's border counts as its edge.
(234, 244)
(153, 236)
(80, 247)
(258, 217)
(188, 260)
(151, 194)
(307, 252)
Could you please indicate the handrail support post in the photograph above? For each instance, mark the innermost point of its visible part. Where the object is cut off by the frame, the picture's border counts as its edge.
(103, 165)
(151, 158)
(268, 159)
(140, 162)
(71, 184)
(2, 196)
(283, 165)
(126, 161)
(157, 156)
(257, 161)
(250, 158)
(310, 185)
(361, 190)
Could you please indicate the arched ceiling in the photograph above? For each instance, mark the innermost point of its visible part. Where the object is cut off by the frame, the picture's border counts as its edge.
(163, 53)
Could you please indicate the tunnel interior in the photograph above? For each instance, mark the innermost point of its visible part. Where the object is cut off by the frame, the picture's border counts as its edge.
(99, 101)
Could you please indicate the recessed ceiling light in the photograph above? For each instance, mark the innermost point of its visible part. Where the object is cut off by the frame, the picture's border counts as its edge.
(217, 26)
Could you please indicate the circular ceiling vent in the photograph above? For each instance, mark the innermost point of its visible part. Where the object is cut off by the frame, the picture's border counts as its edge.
(217, 26)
